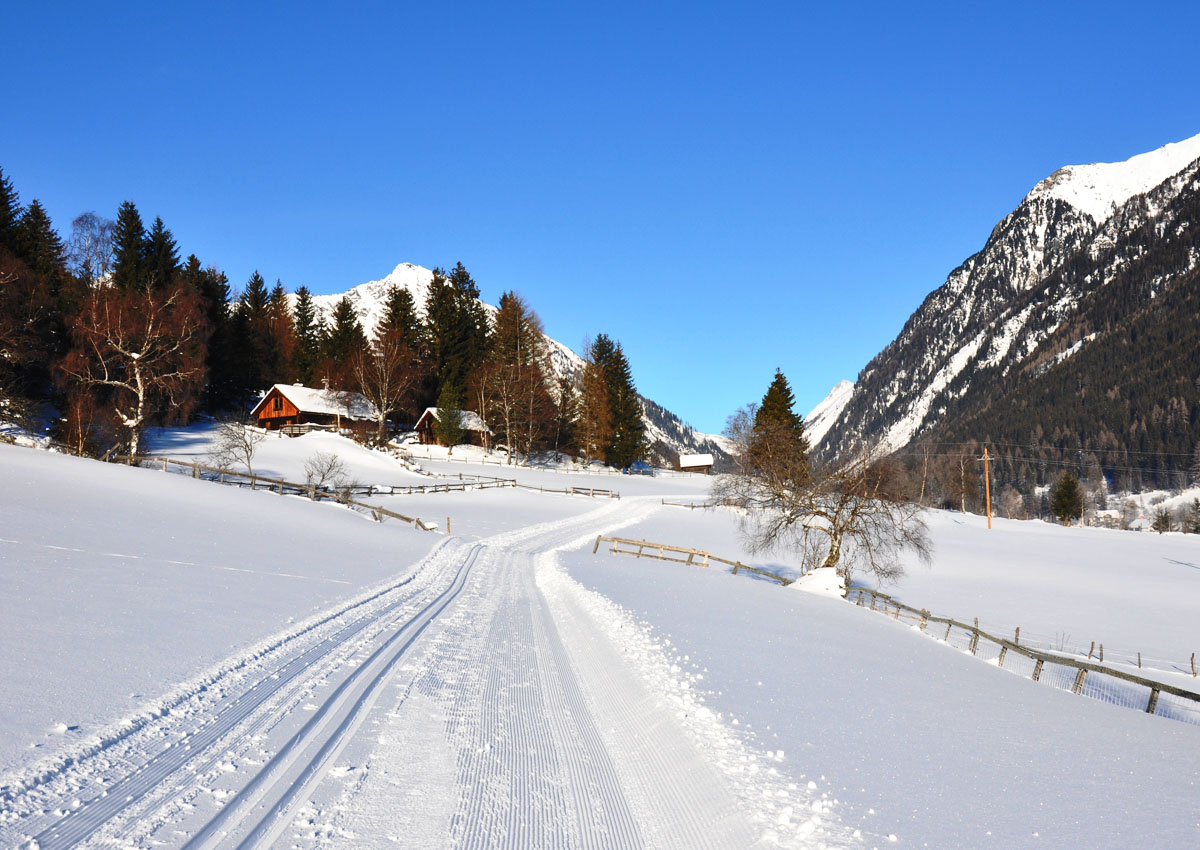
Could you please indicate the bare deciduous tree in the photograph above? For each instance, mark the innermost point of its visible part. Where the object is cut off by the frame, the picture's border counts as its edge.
(235, 443)
(90, 247)
(854, 515)
(324, 469)
(144, 349)
(386, 374)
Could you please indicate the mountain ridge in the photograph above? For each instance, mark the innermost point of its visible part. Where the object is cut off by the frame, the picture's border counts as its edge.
(1018, 307)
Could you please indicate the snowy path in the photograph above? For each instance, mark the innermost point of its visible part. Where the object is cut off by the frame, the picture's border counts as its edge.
(493, 703)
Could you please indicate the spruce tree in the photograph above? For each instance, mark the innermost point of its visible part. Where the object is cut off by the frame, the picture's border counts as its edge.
(448, 427)
(37, 243)
(399, 321)
(308, 332)
(1066, 499)
(161, 256)
(628, 441)
(10, 213)
(344, 340)
(212, 288)
(129, 249)
(778, 446)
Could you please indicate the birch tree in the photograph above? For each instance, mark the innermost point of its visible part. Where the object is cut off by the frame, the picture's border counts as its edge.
(144, 350)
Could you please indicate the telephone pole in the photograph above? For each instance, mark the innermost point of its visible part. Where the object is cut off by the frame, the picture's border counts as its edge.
(987, 486)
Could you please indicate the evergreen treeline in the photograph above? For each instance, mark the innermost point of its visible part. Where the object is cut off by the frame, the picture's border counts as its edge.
(111, 330)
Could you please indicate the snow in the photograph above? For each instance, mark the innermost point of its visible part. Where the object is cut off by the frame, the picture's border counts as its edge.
(1098, 189)
(821, 418)
(186, 662)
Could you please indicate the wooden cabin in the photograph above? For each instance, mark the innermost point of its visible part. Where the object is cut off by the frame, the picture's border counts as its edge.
(696, 463)
(291, 406)
(476, 431)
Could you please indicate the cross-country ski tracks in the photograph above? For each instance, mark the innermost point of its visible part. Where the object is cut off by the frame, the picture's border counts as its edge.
(524, 724)
(122, 785)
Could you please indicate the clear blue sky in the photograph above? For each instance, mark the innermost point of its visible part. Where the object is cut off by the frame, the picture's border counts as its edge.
(724, 188)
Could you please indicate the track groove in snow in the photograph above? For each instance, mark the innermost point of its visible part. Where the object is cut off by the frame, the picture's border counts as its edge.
(125, 784)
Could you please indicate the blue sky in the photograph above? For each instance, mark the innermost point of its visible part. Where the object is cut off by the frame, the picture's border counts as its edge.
(724, 188)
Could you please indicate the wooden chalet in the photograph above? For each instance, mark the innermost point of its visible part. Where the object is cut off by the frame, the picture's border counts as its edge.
(476, 431)
(295, 409)
(696, 463)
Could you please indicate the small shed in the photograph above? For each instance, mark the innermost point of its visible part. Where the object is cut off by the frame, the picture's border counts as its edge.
(476, 430)
(291, 406)
(696, 463)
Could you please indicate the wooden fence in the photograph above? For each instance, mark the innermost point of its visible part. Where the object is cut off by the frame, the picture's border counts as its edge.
(342, 495)
(658, 551)
(1085, 677)
(483, 482)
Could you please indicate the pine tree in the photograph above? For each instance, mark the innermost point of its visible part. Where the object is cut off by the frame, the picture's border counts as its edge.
(1066, 499)
(10, 213)
(283, 335)
(308, 331)
(456, 327)
(211, 286)
(37, 243)
(448, 426)
(628, 441)
(129, 249)
(161, 256)
(399, 321)
(777, 443)
(344, 340)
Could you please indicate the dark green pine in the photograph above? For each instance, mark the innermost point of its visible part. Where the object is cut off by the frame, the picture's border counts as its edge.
(129, 249)
(162, 256)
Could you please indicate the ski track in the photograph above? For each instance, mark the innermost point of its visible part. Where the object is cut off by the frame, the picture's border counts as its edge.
(568, 728)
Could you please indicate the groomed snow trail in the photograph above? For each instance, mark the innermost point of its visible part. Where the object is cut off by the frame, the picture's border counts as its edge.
(481, 700)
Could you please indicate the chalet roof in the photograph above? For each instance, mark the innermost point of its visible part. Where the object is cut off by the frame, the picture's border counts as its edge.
(471, 421)
(342, 403)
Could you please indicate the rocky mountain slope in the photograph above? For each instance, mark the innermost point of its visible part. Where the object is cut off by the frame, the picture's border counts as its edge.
(1074, 267)
(667, 434)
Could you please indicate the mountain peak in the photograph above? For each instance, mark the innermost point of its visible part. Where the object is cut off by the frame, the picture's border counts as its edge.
(1099, 188)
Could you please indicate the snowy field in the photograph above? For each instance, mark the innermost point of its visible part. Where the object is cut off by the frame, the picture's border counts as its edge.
(186, 664)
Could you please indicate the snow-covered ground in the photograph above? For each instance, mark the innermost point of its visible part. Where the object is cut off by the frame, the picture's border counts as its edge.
(186, 664)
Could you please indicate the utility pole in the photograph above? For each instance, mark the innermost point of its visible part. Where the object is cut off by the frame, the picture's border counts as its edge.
(987, 486)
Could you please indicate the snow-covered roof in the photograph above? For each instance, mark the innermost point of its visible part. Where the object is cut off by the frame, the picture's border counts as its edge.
(695, 460)
(329, 402)
(471, 421)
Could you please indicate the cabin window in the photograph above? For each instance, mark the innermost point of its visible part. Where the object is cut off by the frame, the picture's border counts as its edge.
(278, 403)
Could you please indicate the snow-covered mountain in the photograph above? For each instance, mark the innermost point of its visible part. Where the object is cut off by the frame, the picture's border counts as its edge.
(1021, 305)
(665, 431)
(822, 417)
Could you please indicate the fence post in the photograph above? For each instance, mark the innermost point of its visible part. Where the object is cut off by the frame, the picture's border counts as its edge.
(1091, 649)
(1193, 665)
(1017, 636)
(975, 637)
(1077, 687)
(1037, 669)
(1003, 652)
(164, 461)
(924, 618)
(596, 548)
(1153, 704)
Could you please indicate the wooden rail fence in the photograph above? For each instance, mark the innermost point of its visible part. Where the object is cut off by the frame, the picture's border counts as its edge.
(278, 485)
(658, 551)
(1183, 704)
